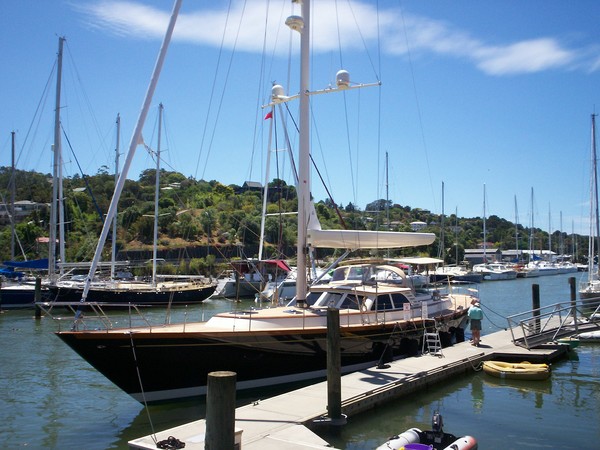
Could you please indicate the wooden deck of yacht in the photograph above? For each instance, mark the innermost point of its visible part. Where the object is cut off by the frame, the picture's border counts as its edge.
(283, 422)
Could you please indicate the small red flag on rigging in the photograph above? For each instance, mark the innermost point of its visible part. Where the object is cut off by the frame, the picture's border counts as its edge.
(269, 115)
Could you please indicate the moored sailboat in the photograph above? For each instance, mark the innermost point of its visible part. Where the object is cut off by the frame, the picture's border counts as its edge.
(378, 319)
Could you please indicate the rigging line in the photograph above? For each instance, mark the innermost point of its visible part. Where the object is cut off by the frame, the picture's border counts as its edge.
(492, 311)
(83, 176)
(228, 71)
(362, 38)
(139, 376)
(212, 91)
(85, 97)
(343, 223)
(12, 221)
(259, 88)
(419, 115)
(337, 21)
(39, 107)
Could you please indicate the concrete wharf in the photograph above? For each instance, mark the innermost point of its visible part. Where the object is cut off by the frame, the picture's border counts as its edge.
(285, 421)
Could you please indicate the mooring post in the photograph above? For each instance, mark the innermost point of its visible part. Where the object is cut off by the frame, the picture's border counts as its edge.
(573, 301)
(220, 411)
(37, 297)
(334, 371)
(535, 293)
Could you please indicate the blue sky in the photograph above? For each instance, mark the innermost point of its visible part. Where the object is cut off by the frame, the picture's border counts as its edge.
(473, 93)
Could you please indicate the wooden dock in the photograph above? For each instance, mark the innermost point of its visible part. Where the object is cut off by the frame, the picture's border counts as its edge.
(285, 421)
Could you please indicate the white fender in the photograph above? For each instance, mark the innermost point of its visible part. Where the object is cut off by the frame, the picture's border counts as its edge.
(463, 443)
(397, 442)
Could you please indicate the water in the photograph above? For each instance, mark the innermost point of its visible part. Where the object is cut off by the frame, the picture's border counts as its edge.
(51, 399)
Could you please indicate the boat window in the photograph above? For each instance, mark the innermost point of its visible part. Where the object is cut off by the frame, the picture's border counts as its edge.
(384, 302)
(329, 299)
(399, 300)
(312, 297)
(339, 274)
(351, 302)
(356, 273)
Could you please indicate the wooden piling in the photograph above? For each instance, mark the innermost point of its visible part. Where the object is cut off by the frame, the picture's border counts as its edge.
(334, 370)
(535, 294)
(573, 287)
(220, 411)
(37, 297)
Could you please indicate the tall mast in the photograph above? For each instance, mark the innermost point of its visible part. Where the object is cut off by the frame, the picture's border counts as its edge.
(114, 222)
(304, 154)
(57, 163)
(12, 197)
(485, 261)
(442, 232)
(531, 234)
(156, 195)
(387, 192)
(516, 228)
(263, 217)
(594, 204)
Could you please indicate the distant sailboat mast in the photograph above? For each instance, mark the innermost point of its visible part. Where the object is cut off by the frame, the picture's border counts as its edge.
(56, 170)
(594, 222)
(114, 222)
(517, 229)
(156, 195)
(485, 261)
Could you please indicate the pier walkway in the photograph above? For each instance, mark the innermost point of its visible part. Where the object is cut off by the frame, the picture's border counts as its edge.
(284, 422)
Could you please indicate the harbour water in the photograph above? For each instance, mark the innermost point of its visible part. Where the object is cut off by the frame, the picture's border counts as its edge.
(51, 399)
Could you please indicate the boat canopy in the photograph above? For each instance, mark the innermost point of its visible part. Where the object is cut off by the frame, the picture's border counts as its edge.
(361, 239)
(38, 264)
(420, 260)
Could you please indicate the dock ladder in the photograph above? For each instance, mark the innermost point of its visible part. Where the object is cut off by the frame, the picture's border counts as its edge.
(432, 344)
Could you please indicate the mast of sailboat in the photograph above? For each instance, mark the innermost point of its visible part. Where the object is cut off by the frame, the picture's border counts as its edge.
(114, 222)
(156, 195)
(136, 139)
(387, 192)
(271, 115)
(485, 261)
(12, 197)
(531, 236)
(594, 215)
(304, 154)
(57, 162)
(549, 234)
(442, 233)
(516, 229)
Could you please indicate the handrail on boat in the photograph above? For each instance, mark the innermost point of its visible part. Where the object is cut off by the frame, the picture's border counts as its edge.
(96, 317)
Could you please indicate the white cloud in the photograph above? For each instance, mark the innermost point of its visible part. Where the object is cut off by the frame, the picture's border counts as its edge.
(336, 22)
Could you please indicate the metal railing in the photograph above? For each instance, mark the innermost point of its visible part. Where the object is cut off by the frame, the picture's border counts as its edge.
(549, 323)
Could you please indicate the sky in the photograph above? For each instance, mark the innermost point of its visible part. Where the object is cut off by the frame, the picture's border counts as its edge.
(491, 97)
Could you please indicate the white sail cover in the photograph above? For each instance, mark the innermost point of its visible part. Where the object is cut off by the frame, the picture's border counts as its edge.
(360, 239)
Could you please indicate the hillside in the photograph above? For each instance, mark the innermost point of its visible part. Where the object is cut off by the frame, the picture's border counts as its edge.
(206, 221)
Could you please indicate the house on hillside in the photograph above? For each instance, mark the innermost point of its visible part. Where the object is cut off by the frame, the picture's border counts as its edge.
(417, 225)
(252, 186)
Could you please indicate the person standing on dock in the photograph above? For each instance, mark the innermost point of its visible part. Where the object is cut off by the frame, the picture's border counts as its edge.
(475, 315)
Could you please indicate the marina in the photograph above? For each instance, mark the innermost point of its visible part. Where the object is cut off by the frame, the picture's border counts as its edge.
(55, 400)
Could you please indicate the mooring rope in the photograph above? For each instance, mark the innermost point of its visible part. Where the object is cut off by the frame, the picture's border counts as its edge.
(491, 321)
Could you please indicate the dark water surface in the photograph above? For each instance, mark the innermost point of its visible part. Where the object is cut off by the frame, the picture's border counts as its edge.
(51, 399)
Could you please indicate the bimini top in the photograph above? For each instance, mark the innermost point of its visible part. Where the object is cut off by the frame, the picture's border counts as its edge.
(361, 239)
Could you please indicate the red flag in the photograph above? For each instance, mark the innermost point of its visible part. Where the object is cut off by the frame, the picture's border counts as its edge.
(269, 115)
